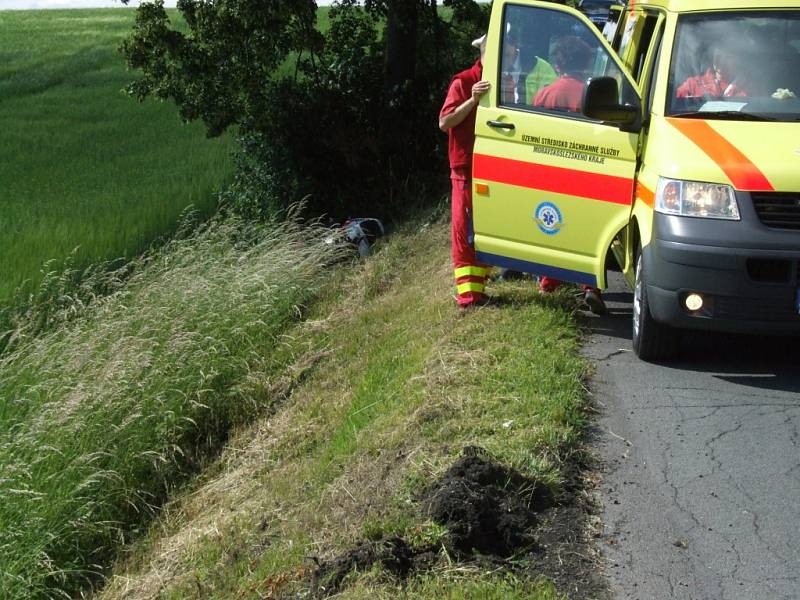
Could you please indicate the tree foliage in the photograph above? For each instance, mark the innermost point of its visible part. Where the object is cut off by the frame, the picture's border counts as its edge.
(350, 125)
(216, 71)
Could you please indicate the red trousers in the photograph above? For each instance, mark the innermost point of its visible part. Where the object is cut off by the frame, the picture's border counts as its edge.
(470, 276)
(548, 284)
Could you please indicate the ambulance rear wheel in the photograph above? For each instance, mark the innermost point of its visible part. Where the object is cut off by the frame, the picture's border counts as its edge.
(652, 341)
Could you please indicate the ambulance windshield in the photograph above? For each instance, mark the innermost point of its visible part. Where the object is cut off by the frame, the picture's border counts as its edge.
(737, 66)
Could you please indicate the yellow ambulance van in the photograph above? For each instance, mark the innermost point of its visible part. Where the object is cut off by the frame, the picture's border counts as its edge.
(671, 153)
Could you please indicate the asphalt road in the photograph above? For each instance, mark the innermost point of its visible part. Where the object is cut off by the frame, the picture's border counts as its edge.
(701, 487)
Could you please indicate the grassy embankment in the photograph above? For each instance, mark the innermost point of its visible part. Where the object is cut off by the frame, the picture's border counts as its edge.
(365, 402)
(81, 164)
(388, 383)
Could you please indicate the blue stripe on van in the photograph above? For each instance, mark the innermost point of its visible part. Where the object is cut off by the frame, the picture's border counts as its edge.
(524, 266)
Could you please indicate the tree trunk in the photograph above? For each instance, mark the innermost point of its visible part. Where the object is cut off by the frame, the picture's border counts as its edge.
(402, 17)
(438, 37)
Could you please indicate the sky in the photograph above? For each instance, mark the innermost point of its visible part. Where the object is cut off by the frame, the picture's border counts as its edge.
(35, 4)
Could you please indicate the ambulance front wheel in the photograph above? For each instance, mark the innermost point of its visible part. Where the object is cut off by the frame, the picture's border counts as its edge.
(652, 341)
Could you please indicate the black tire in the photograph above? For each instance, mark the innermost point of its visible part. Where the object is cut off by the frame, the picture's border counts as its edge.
(652, 341)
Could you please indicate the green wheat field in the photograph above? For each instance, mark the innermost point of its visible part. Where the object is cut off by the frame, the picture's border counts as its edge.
(85, 169)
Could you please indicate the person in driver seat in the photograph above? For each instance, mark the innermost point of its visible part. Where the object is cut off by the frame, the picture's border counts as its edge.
(715, 82)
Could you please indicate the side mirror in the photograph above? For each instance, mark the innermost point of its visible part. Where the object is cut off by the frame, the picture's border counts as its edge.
(601, 102)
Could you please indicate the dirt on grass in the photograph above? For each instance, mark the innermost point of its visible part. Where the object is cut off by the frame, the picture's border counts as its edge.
(494, 516)
(394, 555)
(565, 551)
(486, 507)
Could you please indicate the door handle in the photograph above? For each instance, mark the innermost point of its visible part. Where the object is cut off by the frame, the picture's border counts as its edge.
(501, 125)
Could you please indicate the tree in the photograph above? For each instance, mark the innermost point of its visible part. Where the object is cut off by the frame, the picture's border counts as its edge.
(353, 120)
(216, 71)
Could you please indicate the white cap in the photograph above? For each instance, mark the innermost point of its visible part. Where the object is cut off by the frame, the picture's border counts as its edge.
(479, 41)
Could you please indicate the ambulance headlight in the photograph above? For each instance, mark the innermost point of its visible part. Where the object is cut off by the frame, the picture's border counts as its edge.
(696, 199)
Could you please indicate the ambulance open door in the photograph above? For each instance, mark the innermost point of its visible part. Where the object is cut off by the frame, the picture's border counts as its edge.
(551, 187)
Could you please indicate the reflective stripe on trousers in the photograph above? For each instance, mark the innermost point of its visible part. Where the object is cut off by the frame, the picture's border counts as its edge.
(470, 277)
(470, 280)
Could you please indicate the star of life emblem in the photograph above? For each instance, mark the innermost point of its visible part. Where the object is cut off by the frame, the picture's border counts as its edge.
(548, 218)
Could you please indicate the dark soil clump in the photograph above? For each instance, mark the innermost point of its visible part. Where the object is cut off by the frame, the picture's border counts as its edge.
(486, 507)
(394, 555)
(491, 513)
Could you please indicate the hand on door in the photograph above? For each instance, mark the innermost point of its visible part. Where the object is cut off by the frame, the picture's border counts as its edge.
(479, 89)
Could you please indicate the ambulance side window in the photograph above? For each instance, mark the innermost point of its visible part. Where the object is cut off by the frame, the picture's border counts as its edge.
(546, 58)
(651, 83)
(628, 35)
(636, 42)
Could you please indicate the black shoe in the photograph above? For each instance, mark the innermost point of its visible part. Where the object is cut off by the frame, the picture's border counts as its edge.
(595, 303)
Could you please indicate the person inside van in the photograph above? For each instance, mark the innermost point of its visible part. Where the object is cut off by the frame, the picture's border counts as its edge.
(714, 83)
(509, 83)
(540, 75)
(571, 57)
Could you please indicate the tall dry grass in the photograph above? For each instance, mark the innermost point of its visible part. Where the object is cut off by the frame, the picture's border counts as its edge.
(121, 398)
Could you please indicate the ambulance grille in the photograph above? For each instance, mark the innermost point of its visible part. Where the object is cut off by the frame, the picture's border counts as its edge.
(755, 309)
(779, 210)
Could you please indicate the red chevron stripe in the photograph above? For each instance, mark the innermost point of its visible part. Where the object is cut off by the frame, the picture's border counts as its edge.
(572, 182)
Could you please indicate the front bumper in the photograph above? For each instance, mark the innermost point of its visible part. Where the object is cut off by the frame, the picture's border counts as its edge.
(747, 274)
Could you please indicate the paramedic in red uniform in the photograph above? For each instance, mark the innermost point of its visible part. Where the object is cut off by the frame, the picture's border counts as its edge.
(457, 118)
(714, 83)
(571, 59)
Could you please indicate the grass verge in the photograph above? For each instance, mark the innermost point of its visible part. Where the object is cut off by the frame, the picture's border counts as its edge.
(104, 414)
(390, 383)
